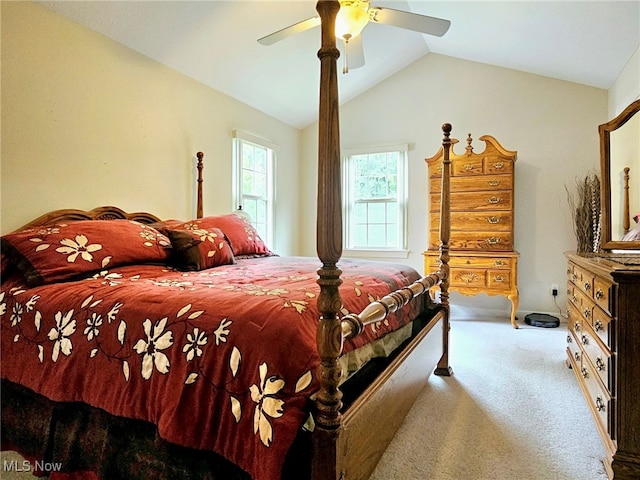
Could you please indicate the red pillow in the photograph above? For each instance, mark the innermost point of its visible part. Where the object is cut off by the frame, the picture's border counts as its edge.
(244, 239)
(197, 249)
(63, 251)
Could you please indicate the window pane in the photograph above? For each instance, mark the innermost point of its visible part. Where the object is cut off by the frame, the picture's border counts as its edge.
(392, 212)
(392, 235)
(249, 206)
(376, 213)
(261, 215)
(376, 236)
(260, 184)
(260, 163)
(247, 156)
(360, 239)
(360, 213)
(247, 182)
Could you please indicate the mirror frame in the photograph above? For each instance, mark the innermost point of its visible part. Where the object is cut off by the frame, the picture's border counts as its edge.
(605, 178)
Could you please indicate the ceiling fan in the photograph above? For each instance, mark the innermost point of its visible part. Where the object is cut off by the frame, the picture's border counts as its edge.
(353, 16)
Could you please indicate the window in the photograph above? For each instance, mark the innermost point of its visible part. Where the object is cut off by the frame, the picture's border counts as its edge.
(253, 171)
(375, 196)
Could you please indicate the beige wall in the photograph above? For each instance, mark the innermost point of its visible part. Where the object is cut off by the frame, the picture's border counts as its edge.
(88, 122)
(552, 124)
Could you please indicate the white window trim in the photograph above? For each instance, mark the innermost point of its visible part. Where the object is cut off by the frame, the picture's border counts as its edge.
(378, 252)
(271, 172)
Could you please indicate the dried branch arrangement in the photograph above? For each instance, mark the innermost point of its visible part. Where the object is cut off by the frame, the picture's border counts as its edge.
(584, 202)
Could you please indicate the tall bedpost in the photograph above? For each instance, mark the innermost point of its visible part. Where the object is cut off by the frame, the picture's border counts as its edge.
(199, 210)
(443, 367)
(325, 462)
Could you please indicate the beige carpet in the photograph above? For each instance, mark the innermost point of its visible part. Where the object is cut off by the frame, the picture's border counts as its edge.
(512, 411)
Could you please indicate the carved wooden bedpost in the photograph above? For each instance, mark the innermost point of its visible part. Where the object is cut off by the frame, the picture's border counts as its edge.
(329, 247)
(445, 233)
(199, 165)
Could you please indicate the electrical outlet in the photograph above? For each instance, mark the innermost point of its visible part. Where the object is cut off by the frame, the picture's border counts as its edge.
(554, 289)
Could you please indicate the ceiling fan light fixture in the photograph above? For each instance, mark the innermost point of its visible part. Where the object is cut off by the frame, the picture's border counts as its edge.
(352, 17)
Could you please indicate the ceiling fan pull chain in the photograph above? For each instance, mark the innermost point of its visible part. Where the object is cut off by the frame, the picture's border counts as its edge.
(345, 67)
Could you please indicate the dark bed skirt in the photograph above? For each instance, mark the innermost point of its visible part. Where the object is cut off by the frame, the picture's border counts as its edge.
(86, 439)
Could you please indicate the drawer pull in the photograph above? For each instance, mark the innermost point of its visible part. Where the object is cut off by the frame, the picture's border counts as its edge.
(498, 165)
(600, 406)
(493, 220)
(493, 240)
(468, 277)
(498, 278)
(598, 326)
(587, 313)
(576, 326)
(468, 167)
(600, 364)
(584, 372)
(587, 286)
(599, 294)
(574, 276)
(499, 263)
(493, 183)
(585, 340)
(494, 200)
(577, 356)
(569, 339)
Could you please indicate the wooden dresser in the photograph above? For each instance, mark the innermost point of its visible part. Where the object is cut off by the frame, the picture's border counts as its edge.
(603, 348)
(482, 196)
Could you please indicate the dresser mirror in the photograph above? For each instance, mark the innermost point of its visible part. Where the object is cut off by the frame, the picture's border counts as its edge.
(620, 177)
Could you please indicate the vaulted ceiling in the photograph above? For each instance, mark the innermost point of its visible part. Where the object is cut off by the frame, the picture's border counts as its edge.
(215, 42)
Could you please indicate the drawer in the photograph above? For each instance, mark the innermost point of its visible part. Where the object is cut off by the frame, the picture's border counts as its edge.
(574, 320)
(468, 277)
(483, 201)
(497, 165)
(473, 221)
(603, 327)
(574, 351)
(467, 166)
(582, 303)
(499, 279)
(480, 241)
(599, 400)
(475, 183)
(494, 263)
(598, 355)
(603, 294)
(583, 279)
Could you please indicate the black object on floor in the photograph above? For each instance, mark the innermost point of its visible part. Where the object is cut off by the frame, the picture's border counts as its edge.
(541, 320)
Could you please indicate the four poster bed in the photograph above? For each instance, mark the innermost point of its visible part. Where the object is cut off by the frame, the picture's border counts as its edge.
(136, 347)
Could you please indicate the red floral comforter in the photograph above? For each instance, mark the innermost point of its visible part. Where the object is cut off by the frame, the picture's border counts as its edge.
(221, 359)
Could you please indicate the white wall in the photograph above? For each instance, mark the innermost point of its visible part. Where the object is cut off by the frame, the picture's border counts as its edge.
(89, 122)
(551, 123)
(626, 88)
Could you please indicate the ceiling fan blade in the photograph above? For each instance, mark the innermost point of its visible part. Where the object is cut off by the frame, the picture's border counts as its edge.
(410, 21)
(289, 31)
(355, 53)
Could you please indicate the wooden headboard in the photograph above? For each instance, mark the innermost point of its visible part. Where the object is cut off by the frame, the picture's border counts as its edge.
(99, 213)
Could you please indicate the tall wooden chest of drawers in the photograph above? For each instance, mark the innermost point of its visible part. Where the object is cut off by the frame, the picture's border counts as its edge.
(603, 348)
(483, 259)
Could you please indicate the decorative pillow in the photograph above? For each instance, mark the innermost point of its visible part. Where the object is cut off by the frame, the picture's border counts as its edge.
(244, 239)
(61, 252)
(200, 248)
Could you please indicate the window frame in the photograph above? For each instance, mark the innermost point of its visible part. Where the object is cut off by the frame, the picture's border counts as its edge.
(240, 139)
(350, 249)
